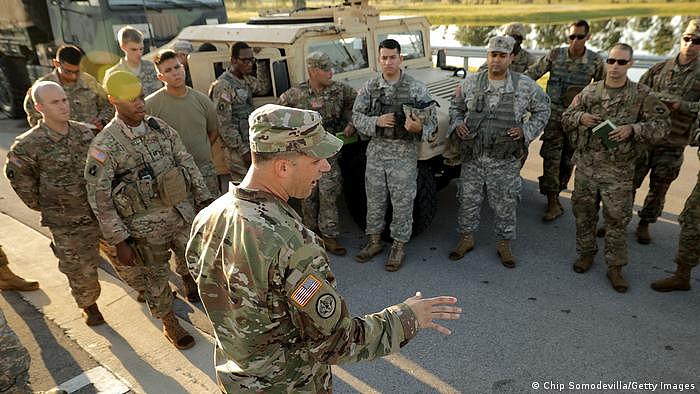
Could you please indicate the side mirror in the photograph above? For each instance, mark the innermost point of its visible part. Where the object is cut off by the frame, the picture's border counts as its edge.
(441, 59)
(281, 76)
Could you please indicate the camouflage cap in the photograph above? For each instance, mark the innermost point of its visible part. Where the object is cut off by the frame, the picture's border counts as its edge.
(513, 29)
(183, 46)
(319, 60)
(693, 28)
(275, 128)
(123, 85)
(502, 44)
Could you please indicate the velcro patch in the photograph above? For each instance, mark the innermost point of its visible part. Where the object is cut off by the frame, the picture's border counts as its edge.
(226, 97)
(98, 155)
(306, 290)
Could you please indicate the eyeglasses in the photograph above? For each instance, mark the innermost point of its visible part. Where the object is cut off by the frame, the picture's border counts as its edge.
(577, 37)
(696, 41)
(64, 70)
(622, 62)
(249, 60)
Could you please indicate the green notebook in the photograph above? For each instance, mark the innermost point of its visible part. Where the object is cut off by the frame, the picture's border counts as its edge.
(603, 131)
(346, 140)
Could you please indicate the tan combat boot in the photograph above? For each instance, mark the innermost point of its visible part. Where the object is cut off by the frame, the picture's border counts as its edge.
(554, 208)
(93, 316)
(374, 247)
(174, 332)
(464, 245)
(190, 285)
(10, 281)
(396, 257)
(583, 263)
(333, 246)
(503, 250)
(680, 280)
(617, 281)
(642, 233)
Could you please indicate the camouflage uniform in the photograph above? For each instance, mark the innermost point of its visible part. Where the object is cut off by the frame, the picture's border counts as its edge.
(609, 172)
(126, 172)
(88, 100)
(567, 76)
(392, 157)
(148, 74)
(334, 103)
(14, 361)
(489, 156)
(268, 289)
(689, 239)
(233, 98)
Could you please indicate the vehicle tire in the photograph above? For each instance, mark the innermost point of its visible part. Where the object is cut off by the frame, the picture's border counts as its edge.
(353, 162)
(14, 82)
(425, 204)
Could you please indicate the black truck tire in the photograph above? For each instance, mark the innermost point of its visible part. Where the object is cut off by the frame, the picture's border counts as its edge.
(14, 82)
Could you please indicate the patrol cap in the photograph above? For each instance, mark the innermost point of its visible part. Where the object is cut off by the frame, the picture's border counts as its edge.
(183, 46)
(319, 60)
(123, 85)
(514, 29)
(275, 128)
(503, 44)
(693, 28)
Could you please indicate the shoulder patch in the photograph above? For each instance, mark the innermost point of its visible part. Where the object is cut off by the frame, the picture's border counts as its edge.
(325, 306)
(225, 96)
(16, 161)
(98, 155)
(306, 290)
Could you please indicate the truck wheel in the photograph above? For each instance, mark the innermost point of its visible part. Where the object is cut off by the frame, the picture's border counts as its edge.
(14, 82)
(352, 165)
(425, 204)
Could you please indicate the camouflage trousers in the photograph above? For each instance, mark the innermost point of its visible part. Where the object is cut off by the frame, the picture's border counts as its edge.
(663, 165)
(557, 153)
(77, 250)
(320, 209)
(210, 178)
(392, 170)
(689, 239)
(150, 273)
(503, 183)
(616, 192)
(14, 361)
(236, 165)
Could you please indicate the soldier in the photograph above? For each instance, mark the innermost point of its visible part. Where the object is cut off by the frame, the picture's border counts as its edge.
(392, 158)
(183, 49)
(677, 82)
(10, 281)
(139, 176)
(605, 164)
(265, 279)
(88, 100)
(45, 167)
(131, 43)
(570, 70)
(333, 100)
(522, 58)
(688, 254)
(232, 94)
(496, 113)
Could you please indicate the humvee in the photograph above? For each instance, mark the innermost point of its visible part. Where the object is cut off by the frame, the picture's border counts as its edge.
(350, 35)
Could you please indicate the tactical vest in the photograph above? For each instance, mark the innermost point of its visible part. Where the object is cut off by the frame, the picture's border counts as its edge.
(681, 122)
(565, 82)
(381, 103)
(241, 104)
(488, 126)
(155, 181)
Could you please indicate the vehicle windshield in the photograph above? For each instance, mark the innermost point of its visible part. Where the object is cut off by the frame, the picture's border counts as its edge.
(411, 43)
(347, 54)
(165, 3)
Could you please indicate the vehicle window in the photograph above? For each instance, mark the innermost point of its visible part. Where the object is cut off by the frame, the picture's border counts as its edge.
(165, 3)
(411, 43)
(347, 54)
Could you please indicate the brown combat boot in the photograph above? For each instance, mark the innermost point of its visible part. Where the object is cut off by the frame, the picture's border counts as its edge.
(464, 245)
(554, 207)
(374, 247)
(10, 281)
(503, 250)
(141, 297)
(396, 257)
(190, 285)
(93, 316)
(583, 263)
(617, 281)
(174, 332)
(680, 280)
(642, 233)
(333, 246)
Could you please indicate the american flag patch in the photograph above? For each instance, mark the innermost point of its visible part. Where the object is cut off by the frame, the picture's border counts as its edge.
(16, 161)
(98, 155)
(306, 290)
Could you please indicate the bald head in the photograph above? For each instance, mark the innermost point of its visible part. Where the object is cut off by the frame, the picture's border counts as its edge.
(39, 90)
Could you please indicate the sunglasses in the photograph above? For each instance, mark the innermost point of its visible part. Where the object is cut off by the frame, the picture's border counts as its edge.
(696, 41)
(249, 60)
(577, 37)
(622, 62)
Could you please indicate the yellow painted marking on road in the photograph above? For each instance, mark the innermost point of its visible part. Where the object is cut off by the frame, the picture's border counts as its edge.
(420, 373)
(352, 381)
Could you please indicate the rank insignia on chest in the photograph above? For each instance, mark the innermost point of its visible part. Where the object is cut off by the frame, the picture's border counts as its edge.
(306, 290)
(98, 155)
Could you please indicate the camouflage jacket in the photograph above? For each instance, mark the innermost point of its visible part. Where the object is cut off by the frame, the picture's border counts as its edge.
(148, 75)
(88, 100)
(122, 183)
(268, 289)
(233, 98)
(45, 168)
(671, 81)
(334, 103)
(520, 64)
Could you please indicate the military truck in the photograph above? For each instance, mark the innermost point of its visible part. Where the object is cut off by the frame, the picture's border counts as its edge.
(31, 30)
(350, 34)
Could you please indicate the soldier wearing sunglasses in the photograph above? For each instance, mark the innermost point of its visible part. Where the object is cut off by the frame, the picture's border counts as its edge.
(677, 82)
(570, 69)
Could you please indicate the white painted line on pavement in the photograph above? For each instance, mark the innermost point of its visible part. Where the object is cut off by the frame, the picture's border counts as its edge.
(104, 382)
